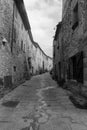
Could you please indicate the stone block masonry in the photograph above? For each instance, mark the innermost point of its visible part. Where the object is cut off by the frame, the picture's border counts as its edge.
(74, 38)
(6, 14)
(12, 64)
(14, 54)
(73, 42)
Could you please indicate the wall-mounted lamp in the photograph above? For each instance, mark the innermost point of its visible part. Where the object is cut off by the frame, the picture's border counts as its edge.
(4, 41)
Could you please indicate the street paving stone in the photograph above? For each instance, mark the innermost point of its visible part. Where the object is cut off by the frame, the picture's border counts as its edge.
(40, 104)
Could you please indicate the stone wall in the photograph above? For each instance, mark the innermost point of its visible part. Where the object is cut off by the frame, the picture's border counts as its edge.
(12, 62)
(57, 52)
(72, 39)
(75, 40)
(14, 55)
(6, 17)
(19, 47)
(64, 6)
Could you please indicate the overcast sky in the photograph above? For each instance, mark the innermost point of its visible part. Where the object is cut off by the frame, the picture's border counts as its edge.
(44, 15)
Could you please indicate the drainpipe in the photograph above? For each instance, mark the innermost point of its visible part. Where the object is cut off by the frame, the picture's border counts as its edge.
(63, 60)
(12, 28)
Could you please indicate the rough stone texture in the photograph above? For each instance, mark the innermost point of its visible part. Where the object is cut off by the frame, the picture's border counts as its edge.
(6, 15)
(23, 109)
(57, 52)
(74, 41)
(6, 11)
(12, 64)
(19, 44)
(14, 57)
(5, 62)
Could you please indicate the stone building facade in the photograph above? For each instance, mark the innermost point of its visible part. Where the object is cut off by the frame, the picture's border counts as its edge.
(14, 27)
(18, 51)
(5, 31)
(19, 41)
(50, 64)
(43, 62)
(57, 52)
(74, 40)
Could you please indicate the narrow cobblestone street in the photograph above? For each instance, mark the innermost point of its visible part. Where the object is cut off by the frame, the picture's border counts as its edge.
(39, 104)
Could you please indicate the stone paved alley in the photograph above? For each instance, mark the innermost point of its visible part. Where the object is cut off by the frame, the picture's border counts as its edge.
(39, 104)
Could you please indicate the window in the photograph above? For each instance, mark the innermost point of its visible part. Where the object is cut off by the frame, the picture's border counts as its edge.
(58, 47)
(9, 36)
(22, 26)
(70, 2)
(15, 11)
(14, 68)
(54, 54)
(75, 17)
(22, 45)
(14, 35)
(29, 62)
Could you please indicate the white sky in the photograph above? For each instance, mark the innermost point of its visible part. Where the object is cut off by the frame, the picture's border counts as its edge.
(44, 15)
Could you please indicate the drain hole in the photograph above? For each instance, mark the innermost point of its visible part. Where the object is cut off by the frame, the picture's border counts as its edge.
(24, 85)
(27, 128)
(10, 104)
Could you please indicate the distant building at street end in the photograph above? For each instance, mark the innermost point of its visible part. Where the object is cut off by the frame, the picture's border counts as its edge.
(43, 62)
